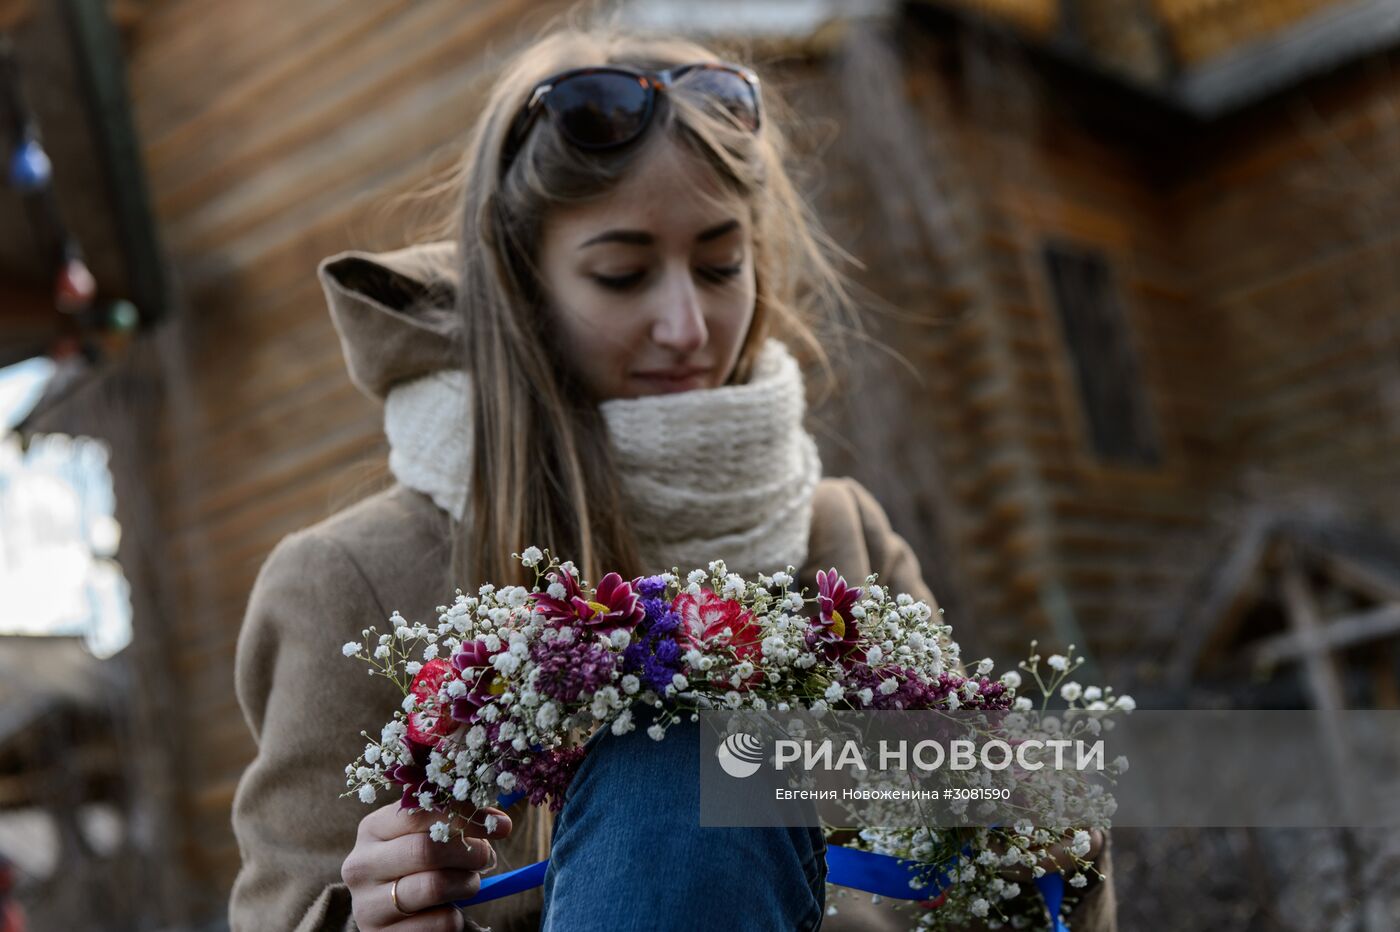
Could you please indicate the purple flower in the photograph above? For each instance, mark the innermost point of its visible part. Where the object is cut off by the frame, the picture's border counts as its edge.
(653, 654)
(915, 692)
(649, 586)
(546, 777)
(570, 672)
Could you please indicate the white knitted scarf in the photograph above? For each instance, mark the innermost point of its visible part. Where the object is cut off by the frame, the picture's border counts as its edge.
(726, 472)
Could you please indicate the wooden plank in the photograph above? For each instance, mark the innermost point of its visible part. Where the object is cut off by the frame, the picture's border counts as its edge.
(1357, 576)
(265, 454)
(1215, 616)
(226, 539)
(1310, 641)
(1338, 634)
(310, 37)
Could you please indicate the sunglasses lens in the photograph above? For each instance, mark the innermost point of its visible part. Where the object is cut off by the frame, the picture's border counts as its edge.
(601, 109)
(727, 89)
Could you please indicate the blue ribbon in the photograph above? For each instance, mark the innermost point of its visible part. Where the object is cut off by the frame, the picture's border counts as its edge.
(847, 867)
(1052, 890)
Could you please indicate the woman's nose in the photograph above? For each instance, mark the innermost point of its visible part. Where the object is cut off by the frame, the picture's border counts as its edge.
(680, 325)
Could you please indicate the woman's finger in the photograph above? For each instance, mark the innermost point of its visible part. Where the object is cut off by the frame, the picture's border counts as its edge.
(439, 919)
(419, 896)
(409, 854)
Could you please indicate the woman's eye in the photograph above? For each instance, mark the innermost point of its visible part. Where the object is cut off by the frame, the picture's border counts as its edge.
(724, 273)
(619, 282)
(717, 274)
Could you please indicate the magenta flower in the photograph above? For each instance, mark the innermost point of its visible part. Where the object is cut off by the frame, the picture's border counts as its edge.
(473, 662)
(614, 605)
(834, 630)
(559, 610)
(413, 776)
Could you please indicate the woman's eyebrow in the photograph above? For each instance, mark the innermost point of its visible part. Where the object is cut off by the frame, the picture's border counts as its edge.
(643, 238)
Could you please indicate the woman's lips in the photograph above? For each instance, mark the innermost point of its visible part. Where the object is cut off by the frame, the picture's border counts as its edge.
(673, 380)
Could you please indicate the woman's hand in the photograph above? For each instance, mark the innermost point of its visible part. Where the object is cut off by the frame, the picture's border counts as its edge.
(394, 846)
(1058, 860)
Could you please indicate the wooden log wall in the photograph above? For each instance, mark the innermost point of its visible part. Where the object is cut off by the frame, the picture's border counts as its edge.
(1255, 263)
(1066, 545)
(273, 135)
(1079, 537)
(1296, 248)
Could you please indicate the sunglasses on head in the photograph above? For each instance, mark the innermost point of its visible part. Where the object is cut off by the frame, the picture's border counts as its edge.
(608, 106)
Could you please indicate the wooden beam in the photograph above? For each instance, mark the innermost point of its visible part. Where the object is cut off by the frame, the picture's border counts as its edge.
(103, 70)
(1216, 614)
(1349, 631)
(1325, 685)
(1354, 575)
(1305, 620)
(1333, 37)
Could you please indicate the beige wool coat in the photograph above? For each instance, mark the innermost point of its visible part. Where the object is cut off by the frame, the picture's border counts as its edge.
(306, 704)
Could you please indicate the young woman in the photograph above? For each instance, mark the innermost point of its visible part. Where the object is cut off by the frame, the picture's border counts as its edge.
(600, 364)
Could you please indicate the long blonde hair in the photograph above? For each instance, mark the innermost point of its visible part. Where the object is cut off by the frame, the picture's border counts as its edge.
(542, 470)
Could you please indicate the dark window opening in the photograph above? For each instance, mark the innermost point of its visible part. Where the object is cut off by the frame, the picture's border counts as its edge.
(1106, 368)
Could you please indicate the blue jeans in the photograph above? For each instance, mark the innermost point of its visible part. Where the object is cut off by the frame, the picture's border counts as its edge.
(628, 851)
